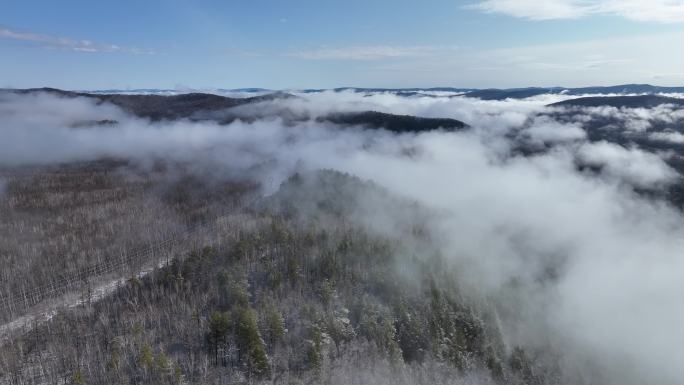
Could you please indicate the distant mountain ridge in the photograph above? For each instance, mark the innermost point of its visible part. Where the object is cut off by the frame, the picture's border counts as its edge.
(522, 93)
(217, 108)
(159, 107)
(517, 93)
(632, 101)
(481, 93)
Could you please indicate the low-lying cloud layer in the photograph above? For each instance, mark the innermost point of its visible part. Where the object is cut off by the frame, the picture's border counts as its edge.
(590, 268)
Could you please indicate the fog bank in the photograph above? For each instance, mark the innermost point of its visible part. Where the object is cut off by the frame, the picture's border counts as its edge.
(591, 269)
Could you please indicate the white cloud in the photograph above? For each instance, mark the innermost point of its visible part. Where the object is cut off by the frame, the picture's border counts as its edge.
(633, 59)
(635, 166)
(67, 44)
(535, 9)
(637, 120)
(671, 137)
(664, 11)
(368, 52)
(547, 130)
(501, 220)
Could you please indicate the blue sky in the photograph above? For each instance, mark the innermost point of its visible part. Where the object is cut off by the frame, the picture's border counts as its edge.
(324, 43)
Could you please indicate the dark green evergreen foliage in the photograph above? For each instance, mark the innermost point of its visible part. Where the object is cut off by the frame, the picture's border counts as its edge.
(219, 325)
(250, 343)
(377, 324)
(274, 324)
(146, 358)
(314, 350)
(523, 366)
(413, 341)
(494, 364)
(78, 379)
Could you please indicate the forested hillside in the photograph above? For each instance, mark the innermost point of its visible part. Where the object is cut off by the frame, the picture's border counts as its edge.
(287, 294)
(338, 237)
(59, 221)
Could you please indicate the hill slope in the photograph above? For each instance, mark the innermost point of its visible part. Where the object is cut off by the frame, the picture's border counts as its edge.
(637, 101)
(200, 106)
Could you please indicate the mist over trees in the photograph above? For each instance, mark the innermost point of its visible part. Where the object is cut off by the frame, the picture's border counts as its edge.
(286, 299)
(307, 240)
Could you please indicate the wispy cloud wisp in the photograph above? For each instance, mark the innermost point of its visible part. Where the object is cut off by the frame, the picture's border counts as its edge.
(662, 11)
(68, 44)
(375, 52)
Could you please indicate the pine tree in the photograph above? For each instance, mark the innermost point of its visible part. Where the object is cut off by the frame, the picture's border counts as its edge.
(250, 342)
(78, 379)
(219, 325)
